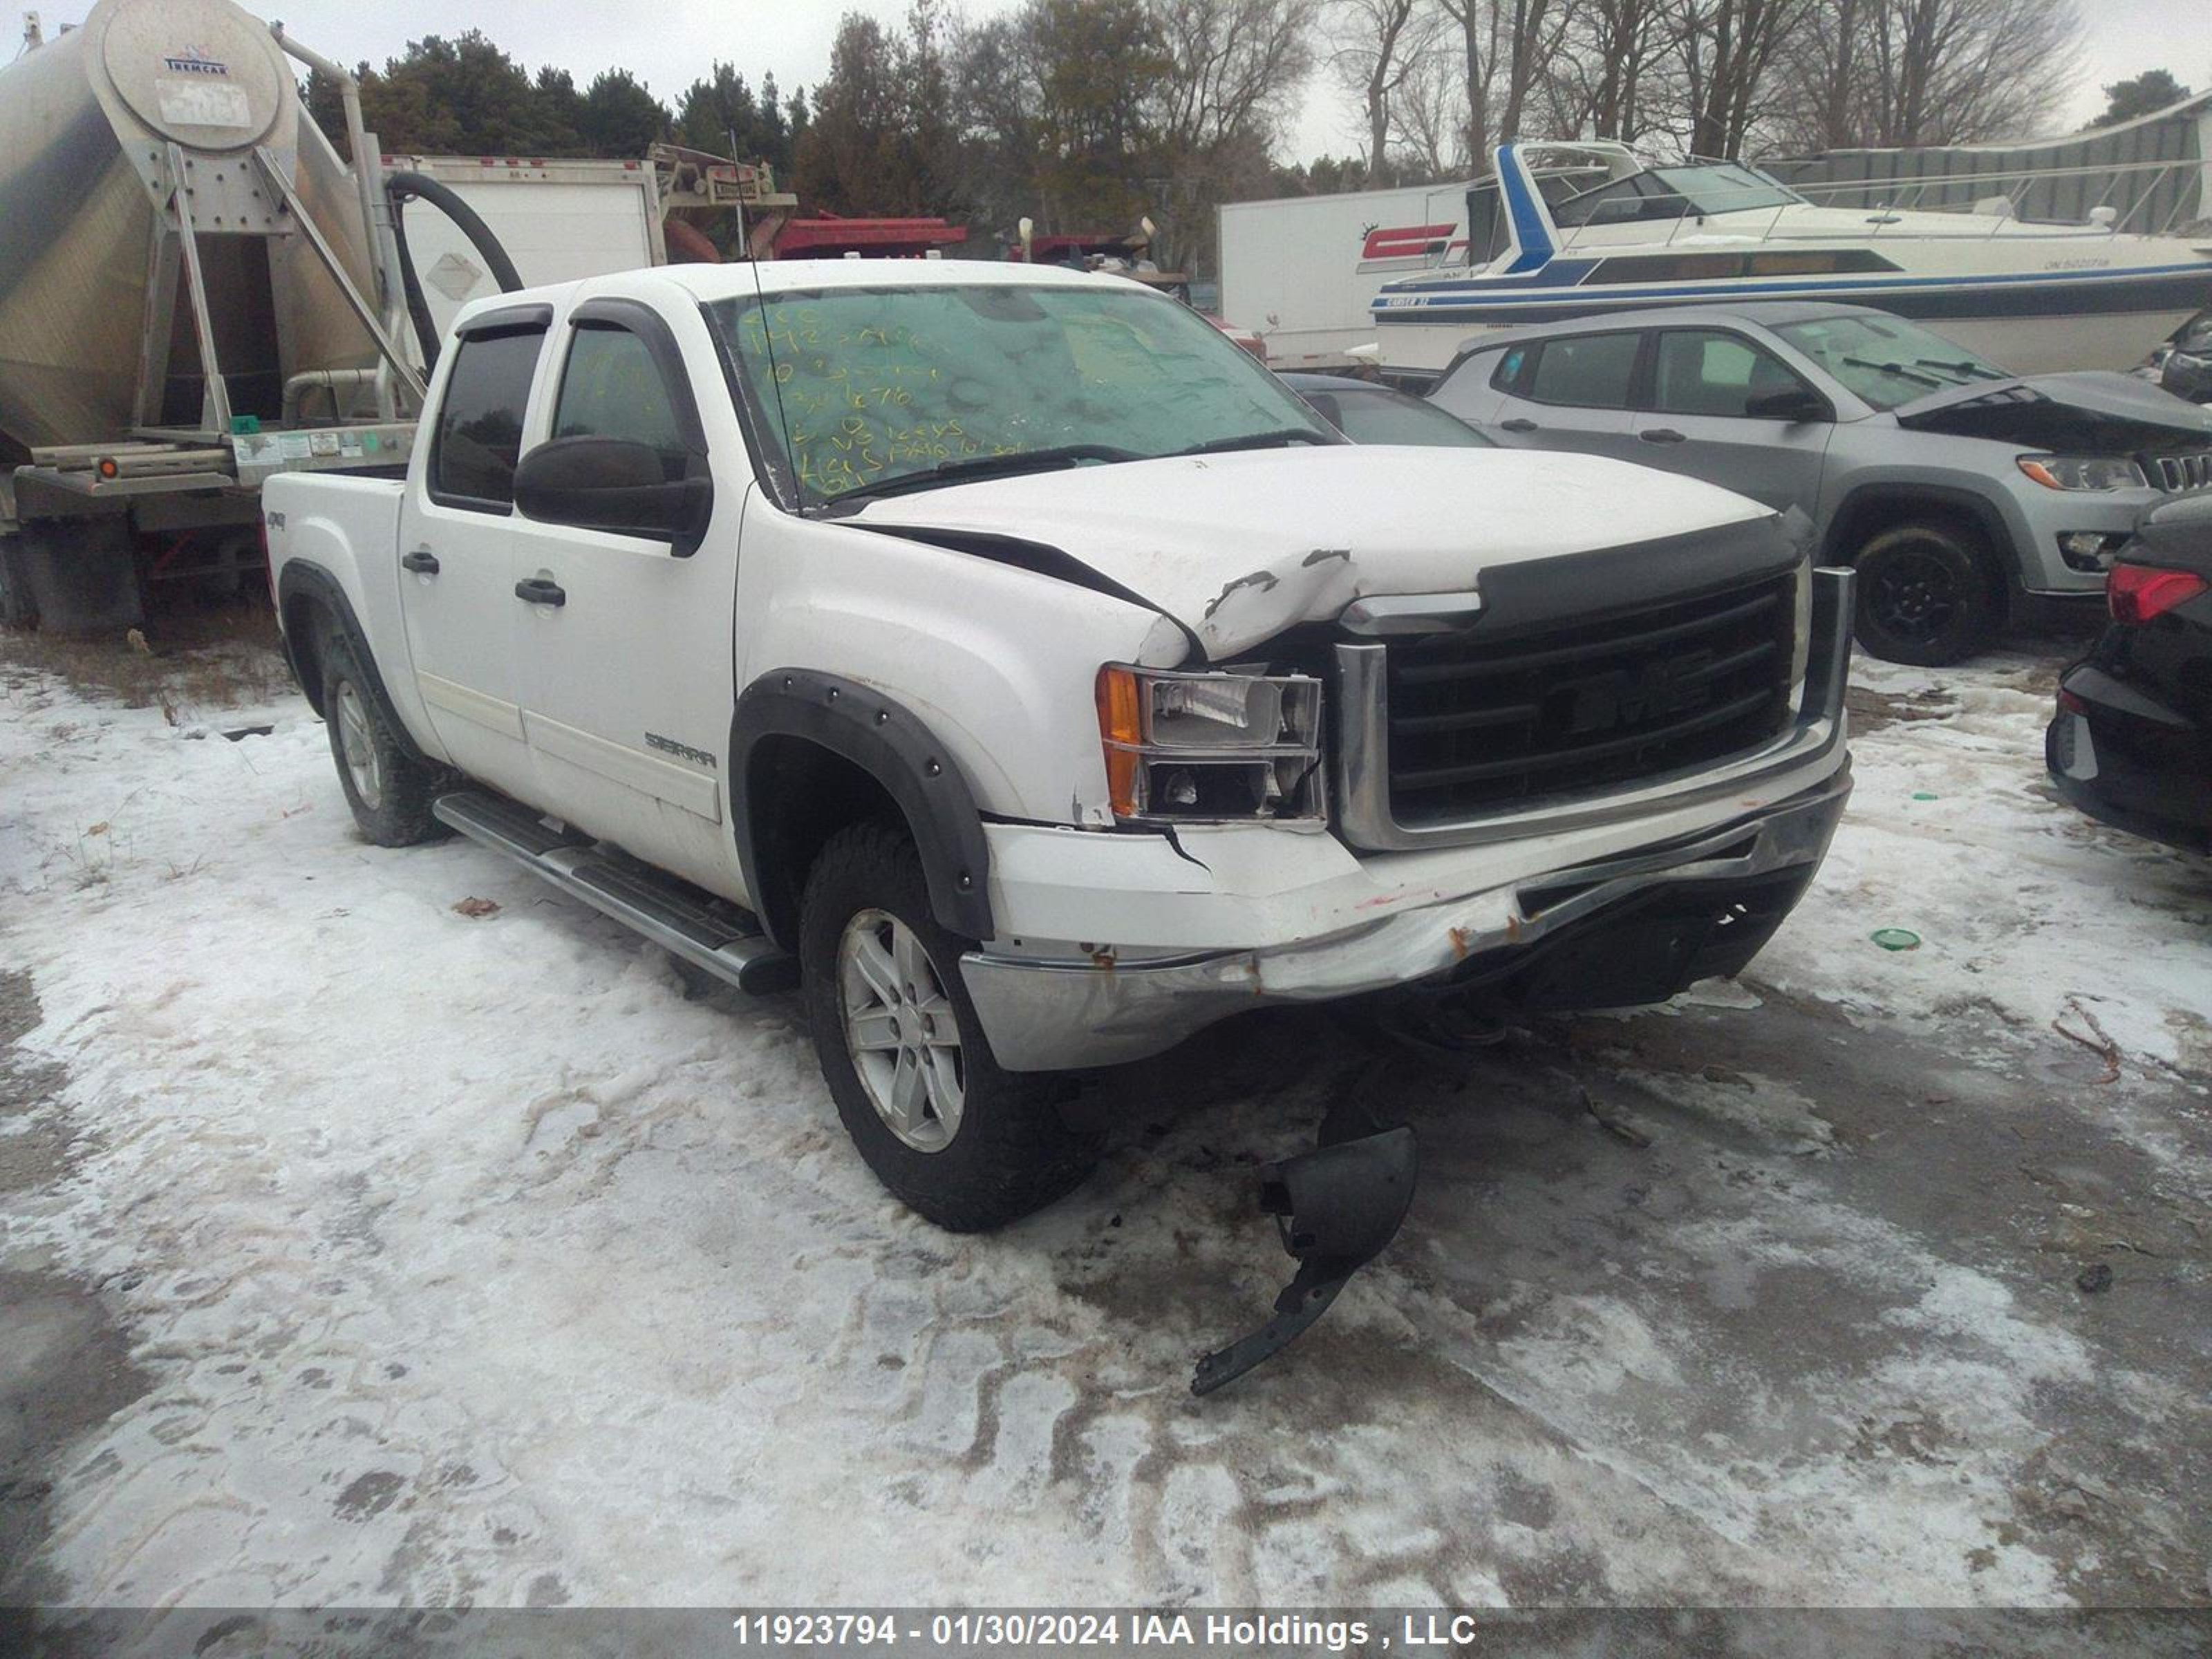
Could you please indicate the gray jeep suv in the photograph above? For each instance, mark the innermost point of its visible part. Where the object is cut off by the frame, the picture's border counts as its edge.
(1956, 488)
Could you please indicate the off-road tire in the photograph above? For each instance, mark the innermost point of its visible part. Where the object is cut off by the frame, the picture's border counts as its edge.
(1012, 1153)
(1928, 594)
(405, 787)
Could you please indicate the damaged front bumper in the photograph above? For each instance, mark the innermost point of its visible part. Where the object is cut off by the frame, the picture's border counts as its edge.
(1622, 930)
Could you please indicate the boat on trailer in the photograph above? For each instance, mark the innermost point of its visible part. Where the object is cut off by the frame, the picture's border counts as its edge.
(1574, 230)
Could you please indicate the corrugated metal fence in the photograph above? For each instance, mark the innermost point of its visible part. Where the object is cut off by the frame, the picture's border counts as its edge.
(2149, 171)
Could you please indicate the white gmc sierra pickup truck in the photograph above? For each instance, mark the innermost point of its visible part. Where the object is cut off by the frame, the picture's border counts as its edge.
(1002, 657)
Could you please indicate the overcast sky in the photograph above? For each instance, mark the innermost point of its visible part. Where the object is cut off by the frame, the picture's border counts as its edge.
(668, 42)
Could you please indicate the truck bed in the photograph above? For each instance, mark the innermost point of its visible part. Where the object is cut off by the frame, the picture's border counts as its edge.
(347, 525)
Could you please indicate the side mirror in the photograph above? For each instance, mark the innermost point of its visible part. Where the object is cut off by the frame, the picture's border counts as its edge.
(1794, 405)
(616, 485)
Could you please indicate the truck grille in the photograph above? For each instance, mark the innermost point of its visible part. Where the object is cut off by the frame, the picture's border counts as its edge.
(2183, 471)
(1479, 724)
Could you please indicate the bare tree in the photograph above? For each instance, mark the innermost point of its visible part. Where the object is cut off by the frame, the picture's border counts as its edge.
(1234, 67)
(1237, 63)
(1428, 119)
(1727, 49)
(1826, 77)
(1600, 81)
(1946, 72)
(1904, 73)
(1507, 45)
(1378, 47)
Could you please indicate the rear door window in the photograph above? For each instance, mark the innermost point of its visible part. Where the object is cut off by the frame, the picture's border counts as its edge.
(1707, 372)
(1585, 371)
(612, 388)
(479, 434)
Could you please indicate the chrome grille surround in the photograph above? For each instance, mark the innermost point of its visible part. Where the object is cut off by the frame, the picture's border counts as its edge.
(1366, 816)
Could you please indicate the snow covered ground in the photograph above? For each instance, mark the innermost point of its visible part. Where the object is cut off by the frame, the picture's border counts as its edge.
(441, 1257)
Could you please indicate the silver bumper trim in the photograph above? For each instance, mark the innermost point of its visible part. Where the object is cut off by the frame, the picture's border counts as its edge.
(1058, 1015)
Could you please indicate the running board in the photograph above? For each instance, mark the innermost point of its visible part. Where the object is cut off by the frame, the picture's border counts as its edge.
(675, 915)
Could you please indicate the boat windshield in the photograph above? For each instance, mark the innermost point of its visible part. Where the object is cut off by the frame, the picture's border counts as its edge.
(880, 389)
(1885, 361)
(1661, 193)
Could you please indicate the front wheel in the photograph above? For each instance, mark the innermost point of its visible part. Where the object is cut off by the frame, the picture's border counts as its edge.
(964, 1143)
(389, 791)
(1927, 596)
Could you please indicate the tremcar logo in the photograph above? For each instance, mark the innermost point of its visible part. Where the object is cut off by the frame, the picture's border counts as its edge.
(191, 60)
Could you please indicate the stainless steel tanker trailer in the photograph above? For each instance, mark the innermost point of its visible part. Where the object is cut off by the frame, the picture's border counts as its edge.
(194, 292)
(197, 292)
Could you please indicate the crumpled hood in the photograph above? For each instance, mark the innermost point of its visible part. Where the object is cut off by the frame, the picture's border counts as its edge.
(1238, 547)
(2099, 393)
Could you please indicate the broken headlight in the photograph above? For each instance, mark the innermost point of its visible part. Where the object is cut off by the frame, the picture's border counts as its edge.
(1235, 745)
(2091, 472)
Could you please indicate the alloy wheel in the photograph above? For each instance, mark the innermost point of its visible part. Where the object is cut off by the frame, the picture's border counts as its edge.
(358, 744)
(1914, 597)
(900, 1030)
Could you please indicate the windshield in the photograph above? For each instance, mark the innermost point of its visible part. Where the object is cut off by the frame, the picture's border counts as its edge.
(1675, 193)
(866, 390)
(1725, 187)
(1885, 361)
(1375, 415)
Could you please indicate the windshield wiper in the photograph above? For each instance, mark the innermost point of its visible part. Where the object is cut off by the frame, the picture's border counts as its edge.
(1971, 370)
(986, 466)
(1276, 440)
(1898, 369)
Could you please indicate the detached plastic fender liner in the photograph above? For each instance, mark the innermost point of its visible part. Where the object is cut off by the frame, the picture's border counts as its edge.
(1335, 1207)
(890, 744)
(303, 580)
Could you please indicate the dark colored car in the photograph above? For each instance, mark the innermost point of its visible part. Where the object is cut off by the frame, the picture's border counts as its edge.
(2132, 740)
(2187, 371)
(1370, 413)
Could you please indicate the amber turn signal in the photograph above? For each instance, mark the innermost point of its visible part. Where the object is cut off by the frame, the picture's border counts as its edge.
(1120, 727)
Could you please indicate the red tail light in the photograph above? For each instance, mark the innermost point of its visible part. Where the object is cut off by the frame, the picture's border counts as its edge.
(2137, 592)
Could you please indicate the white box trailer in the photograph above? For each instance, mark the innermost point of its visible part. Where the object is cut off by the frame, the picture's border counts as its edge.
(1300, 271)
(558, 221)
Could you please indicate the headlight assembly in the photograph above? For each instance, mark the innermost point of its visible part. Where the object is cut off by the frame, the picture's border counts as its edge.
(2089, 473)
(1232, 745)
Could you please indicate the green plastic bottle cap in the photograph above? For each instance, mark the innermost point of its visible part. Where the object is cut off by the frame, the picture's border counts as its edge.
(1896, 939)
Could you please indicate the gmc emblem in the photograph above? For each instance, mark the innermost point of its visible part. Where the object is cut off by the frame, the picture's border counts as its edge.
(1642, 695)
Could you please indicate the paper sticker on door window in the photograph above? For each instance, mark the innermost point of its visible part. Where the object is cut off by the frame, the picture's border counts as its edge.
(203, 104)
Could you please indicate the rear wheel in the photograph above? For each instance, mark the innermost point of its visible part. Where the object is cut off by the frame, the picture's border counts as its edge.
(389, 791)
(963, 1143)
(1927, 595)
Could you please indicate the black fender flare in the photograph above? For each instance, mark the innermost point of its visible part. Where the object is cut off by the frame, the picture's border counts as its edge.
(891, 745)
(2003, 542)
(302, 579)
